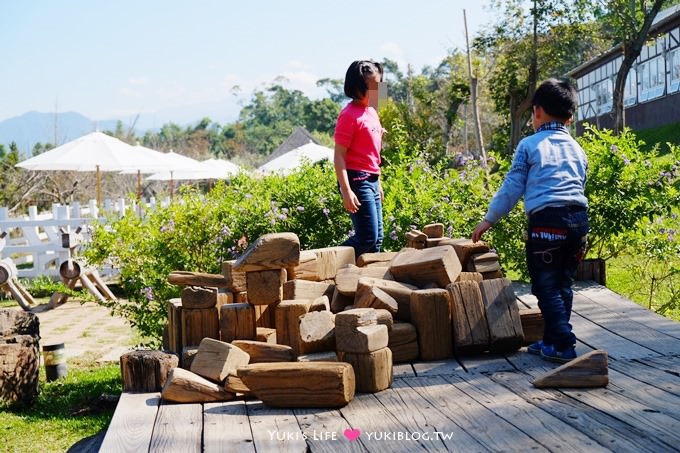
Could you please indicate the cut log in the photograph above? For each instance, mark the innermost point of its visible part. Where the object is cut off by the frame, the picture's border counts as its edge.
(287, 316)
(269, 252)
(361, 340)
(261, 352)
(301, 384)
(19, 356)
(434, 230)
(236, 281)
(401, 292)
(332, 259)
(589, 370)
(237, 322)
(265, 287)
(532, 325)
(465, 248)
(303, 289)
(469, 327)
(266, 335)
(265, 315)
(215, 359)
(357, 317)
(184, 278)
(306, 269)
(175, 324)
(199, 297)
(317, 332)
(438, 265)
(340, 301)
(320, 304)
(416, 239)
(385, 318)
(502, 315)
(199, 323)
(374, 297)
(183, 386)
(234, 384)
(146, 371)
(430, 314)
(326, 356)
(347, 278)
(372, 371)
(374, 258)
(471, 276)
(188, 355)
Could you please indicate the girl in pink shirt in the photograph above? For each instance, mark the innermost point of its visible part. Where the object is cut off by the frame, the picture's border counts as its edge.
(358, 139)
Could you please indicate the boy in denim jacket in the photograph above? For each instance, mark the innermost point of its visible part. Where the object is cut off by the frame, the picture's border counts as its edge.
(549, 170)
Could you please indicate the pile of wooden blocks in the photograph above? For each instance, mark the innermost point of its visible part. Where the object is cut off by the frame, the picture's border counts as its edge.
(279, 318)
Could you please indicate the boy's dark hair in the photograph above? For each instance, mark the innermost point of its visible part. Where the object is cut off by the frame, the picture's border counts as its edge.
(557, 97)
(355, 82)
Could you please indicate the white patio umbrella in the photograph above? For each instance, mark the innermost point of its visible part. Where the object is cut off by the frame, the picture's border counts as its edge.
(182, 167)
(92, 152)
(151, 161)
(294, 158)
(207, 169)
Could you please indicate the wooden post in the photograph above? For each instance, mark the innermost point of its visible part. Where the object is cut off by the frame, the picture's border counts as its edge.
(430, 313)
(146, 371)
(237, 322)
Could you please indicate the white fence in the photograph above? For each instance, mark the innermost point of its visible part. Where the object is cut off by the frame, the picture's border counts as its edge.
(34, 241)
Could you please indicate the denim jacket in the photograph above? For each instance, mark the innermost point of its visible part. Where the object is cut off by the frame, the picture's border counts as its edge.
(549, 169)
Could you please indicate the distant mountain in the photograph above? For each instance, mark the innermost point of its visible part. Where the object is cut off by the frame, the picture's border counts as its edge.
(33, 127)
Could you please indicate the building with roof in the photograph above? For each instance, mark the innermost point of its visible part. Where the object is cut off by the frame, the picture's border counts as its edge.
(652, 92)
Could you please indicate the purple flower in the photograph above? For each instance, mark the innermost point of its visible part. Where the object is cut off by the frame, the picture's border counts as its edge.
(446, 199)
(282, 216)
(284, 210)
(272, 222)
(351, 233)
(147, 293)
(393, 235)
(300, 208)
(326, 211)
(613, 148)
(169, 227)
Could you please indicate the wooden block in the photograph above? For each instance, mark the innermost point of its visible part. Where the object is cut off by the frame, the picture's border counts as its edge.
(347, 278)
(468, 319)
(483, 262)
(303, 289)
(265, 287)
(402, 333)
(532, 325)
(374, 297)
(435, 242)
(215, 359)
(464, 248)
(265, 315)
(287, 316)
(236, 281)
(407, 352)
(146, 371)
(269, 252)
(589, 370)
(199, 323)
(188, 355)
(340, 301)
(492, 275)
(438, 265)
(185, 278)
(183, 386)
(266, 335)
(301, 384)
(198, 297)
(306, 269)
(317, 332)
(331, 259)
(320, 304)
(361, 340)
(325, 356)
(175, 324)
(237, 322)
(385, 318)
(434, 230)
(473, 276)
(240, 297)
(234, 384)
(430, 314)
(401, 292)
(502, 315)
(416, 239)
(372, 371)
(357, 317)
(261, 352)
(373, 258)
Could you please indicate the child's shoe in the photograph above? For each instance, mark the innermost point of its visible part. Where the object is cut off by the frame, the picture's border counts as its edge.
(535, 348)
(550, 353)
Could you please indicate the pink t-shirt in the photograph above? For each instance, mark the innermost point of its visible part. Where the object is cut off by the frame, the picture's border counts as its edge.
(359, 130)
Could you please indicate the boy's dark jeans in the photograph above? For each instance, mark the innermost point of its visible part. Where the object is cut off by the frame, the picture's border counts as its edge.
(367, 221)
(555, 245)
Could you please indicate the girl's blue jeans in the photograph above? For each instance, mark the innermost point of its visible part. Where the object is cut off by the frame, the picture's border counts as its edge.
(556, 244)
(367, 221)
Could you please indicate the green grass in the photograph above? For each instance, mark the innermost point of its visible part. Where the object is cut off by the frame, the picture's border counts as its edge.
(662, 135)
(65, 411)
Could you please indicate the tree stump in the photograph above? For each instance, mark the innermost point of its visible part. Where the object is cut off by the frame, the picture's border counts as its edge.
(146, 371)
(19, 356)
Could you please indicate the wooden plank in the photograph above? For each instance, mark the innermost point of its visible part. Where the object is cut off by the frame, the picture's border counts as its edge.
(641, 371)
(178, 427)
(546, 429)
(275, 430)
(667, 364)
(491, 431)
(605, 428)
(485, 363)
(324, 431)
(226, 428)
(132, 423)
(437, 367)
(646, 393)
(403, 370)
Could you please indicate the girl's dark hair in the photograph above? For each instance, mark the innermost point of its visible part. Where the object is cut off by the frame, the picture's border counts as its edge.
(355, 79)
(557, 97)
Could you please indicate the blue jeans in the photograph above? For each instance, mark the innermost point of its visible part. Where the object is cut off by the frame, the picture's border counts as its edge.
(367, 221)
(556, 244)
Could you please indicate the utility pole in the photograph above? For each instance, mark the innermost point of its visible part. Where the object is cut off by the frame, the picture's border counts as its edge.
(473, 98)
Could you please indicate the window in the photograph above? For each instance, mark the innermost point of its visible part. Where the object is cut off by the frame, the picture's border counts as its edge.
(630, 90)
(674, 71)
(603, 96)
(652, 79)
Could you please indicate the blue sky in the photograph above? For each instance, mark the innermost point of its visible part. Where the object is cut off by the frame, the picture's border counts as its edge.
(170, 60)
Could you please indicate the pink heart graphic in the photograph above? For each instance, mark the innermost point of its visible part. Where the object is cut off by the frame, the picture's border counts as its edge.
(352, 434)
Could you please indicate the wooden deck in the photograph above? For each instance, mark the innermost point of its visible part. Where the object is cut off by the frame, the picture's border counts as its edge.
(471, 404)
